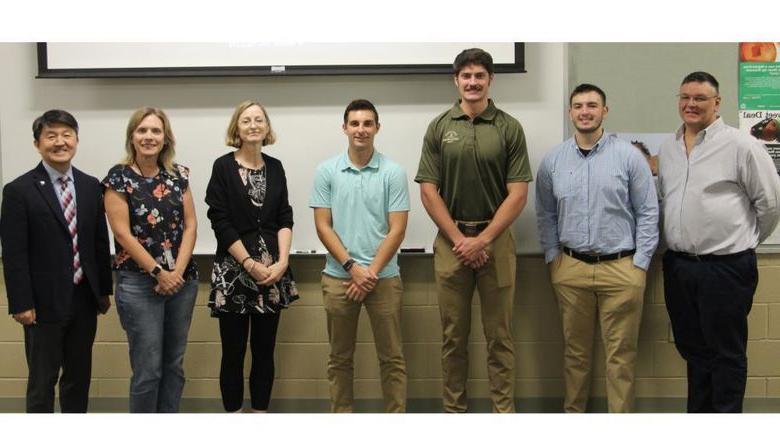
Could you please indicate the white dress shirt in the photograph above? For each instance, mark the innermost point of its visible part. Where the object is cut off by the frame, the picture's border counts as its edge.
(722, 199)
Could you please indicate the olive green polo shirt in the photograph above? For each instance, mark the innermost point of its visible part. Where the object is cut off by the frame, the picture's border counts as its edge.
(472, 161)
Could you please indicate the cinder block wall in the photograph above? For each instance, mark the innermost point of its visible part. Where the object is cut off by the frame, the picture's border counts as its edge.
(302, 347)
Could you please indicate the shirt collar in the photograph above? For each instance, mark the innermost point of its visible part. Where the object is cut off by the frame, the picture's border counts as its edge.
(345, 163)
(489, 114)
(603, 140)
(713, 128)
(54, 175)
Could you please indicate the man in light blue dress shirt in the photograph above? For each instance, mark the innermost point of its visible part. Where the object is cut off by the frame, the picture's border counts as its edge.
(361, 205)
(597, 215)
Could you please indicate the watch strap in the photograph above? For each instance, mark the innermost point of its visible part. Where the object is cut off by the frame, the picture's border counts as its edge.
(348, 264)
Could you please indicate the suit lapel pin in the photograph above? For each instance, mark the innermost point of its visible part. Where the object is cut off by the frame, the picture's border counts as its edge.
(43, 183)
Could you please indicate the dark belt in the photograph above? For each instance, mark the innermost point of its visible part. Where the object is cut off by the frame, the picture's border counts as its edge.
(595, 259)
(710, 256)
(471, 229)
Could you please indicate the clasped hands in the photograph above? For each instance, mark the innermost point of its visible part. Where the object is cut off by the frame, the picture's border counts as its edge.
(265, 275)
(471, 252)
(168, 282)
(363, 282)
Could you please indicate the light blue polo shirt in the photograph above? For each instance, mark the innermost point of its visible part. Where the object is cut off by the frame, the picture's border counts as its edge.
(360, 200)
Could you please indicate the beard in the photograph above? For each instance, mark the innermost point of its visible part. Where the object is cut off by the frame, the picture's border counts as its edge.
(590, 130)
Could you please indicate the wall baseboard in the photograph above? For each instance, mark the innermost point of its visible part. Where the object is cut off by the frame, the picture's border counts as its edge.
(478, 405)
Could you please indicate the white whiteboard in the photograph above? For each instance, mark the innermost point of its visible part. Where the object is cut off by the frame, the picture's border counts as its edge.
(306, 113)
(170, 55)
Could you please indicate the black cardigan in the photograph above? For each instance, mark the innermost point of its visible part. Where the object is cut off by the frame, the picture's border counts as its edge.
(230, 209)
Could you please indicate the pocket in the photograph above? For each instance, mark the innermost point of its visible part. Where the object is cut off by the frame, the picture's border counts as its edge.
(560, 267)
(636, 276)
(503, 251)
(615, 187)
(565, 183)
(333, 294)
(555, 265)
(445, 263)
(132, 287)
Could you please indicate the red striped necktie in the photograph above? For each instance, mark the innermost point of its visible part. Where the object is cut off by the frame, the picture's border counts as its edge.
(69, 210)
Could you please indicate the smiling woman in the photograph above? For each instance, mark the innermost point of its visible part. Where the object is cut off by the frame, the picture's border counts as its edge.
(152, 214)
(250, 281)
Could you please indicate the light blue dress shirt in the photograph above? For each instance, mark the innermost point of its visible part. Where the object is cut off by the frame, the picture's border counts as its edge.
(54, 176)
(360, 201)
(601, 203)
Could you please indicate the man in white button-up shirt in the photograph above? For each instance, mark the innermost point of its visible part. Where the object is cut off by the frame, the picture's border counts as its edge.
(719, 197)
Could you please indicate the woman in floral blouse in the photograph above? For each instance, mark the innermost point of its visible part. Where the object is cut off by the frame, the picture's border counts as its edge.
(151, 211)
(251, 281)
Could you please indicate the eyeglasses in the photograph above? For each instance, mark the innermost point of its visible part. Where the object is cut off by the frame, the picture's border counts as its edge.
(696, 99)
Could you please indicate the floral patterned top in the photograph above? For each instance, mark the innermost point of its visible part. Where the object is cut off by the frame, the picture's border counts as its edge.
(156, 209)
(232, 288)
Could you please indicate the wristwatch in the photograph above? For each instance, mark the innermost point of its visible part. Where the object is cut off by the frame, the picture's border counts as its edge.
(348, 265)
(156, 270)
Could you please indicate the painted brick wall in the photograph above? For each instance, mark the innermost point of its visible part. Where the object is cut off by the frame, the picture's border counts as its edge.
(302, 347)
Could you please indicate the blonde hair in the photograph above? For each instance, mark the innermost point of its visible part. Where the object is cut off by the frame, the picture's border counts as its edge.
(165, 158)
(233, 139)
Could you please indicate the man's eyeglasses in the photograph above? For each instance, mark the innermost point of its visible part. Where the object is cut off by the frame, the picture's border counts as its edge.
(696, 99)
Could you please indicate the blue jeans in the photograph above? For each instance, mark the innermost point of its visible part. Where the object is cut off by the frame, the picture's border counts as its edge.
(157, 328)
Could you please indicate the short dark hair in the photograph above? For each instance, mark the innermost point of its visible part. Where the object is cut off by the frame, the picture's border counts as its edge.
(587, 88)
(473, 56)
(361, 104)
(50, 118)
(702, 77)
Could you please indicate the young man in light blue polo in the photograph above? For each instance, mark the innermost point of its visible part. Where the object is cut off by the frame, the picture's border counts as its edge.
(361, 204)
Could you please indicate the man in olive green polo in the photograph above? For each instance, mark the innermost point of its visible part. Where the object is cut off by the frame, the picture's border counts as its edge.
(473, 177)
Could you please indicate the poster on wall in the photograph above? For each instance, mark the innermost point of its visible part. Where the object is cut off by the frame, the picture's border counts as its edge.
(759, 99)
(759, 94)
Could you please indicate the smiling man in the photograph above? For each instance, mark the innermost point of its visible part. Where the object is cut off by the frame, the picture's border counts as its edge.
(597, 215)
(473, 176)
(719, 196)
(57, 265)
(361, 205)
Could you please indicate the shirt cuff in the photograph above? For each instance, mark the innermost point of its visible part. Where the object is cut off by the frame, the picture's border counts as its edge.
(642, 261)
(550, 254)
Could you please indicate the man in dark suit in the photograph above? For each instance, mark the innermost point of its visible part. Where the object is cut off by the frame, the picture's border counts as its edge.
(57, 265)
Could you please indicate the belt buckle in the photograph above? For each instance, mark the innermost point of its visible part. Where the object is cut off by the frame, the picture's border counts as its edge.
(693, 256)
(469, 229)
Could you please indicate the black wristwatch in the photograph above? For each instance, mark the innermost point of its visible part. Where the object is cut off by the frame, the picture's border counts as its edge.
(155, 271)
(348, 265)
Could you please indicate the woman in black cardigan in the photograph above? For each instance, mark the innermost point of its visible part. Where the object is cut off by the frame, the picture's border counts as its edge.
(251, 281)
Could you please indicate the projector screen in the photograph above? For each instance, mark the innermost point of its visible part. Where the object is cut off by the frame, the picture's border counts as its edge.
(122, 60)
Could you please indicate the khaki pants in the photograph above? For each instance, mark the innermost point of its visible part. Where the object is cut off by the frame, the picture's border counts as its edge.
(612, 292)
(384, 311)
(496, 284)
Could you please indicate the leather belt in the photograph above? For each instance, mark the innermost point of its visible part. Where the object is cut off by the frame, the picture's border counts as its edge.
(595, 259)
(471, 229)
(710, 256)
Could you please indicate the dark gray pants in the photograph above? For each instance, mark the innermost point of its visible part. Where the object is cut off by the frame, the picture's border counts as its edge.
(708, 302)
(65, 345)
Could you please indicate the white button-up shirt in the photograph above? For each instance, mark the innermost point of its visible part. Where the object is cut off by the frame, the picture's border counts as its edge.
(722, 199)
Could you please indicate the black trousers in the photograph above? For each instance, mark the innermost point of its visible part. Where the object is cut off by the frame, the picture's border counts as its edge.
(708, 303)
(65, 345)
(234, 329)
